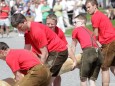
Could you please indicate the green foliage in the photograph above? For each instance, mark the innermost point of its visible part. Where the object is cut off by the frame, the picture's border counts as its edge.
(89, 27)
(69, 31)
(113, 22)
(88, 17)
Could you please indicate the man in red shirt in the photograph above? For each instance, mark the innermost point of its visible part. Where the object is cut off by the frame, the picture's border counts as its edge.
(24, 62)
(4, 20)
(105, 33)
(51, 49)
(51, 22)
(91, 56)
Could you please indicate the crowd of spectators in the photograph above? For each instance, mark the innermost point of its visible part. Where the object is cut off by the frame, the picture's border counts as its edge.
(37, 10)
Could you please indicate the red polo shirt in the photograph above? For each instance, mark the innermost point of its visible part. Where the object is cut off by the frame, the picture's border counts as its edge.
(21, 60)
(40, 35)
(4, 15)
(82, 35)
(106, 30)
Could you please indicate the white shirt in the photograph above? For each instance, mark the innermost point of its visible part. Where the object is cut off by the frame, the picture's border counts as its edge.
(38, 14)
(50, 2)
(70, 5)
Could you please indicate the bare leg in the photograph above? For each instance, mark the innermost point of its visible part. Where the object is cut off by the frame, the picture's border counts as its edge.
(7, 30)
(2, 30)
(57, 81)
(92, 83)
(52, 80)
(105, 77)
(112, 68)
(83, 82)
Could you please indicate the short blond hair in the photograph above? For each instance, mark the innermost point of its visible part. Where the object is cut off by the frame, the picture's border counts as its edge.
(81, 17)
(93, 2)
(52, 16)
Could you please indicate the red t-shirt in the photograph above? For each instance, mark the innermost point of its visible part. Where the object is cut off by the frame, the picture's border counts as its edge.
(60, 34)
(21, 59)
(4, 15)
(106, 29)
(83, 37)
(40, 35)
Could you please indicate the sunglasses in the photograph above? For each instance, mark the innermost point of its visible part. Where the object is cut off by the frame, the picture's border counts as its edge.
(75, 22)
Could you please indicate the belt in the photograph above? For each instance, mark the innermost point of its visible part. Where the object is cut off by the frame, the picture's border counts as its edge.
(87, 48)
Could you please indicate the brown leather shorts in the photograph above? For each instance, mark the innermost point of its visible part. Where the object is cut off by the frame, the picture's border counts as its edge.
(108, 52)
(38, 75)
(91, 61)
(55, 61)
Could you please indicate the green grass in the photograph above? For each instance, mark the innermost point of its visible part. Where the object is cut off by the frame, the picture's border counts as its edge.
(113, 22)
(69, 31)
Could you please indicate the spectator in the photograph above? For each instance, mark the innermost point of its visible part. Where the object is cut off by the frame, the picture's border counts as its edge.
(45, 11)
(4, 17)
(100, 3)
(28, 12)
(65, 15)
(110, 12)
(77, 7)
(70, 8)
(18, 7)
(113, 3)
(58, 12)
(38, 12)
(51, 4)
(11, 2)
(26, 2)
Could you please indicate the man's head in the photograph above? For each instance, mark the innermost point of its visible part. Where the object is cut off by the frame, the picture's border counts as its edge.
(45, 3)
(91, 6)
(80, 20)
(19, 21)
(3, 3)
(3, 48)
(51, 21)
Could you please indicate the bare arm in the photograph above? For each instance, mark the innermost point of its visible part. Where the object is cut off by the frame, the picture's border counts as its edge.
(74, 43)
(71, 53)
(96, 33)
(7, 11)
(44, 54)
(18, 76)
(73, 49)
(27, 46)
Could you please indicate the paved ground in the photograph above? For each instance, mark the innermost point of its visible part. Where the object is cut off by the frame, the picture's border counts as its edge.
(68, 79)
